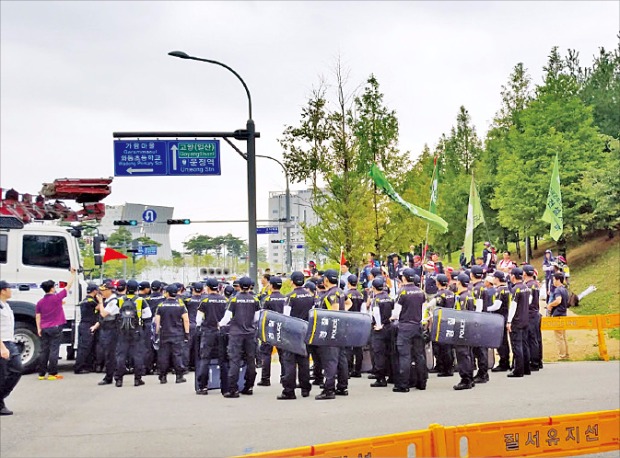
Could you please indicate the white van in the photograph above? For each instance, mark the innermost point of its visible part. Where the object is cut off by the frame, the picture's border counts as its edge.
(30, 254)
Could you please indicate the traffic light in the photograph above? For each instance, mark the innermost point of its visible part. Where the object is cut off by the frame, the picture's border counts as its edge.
(125, 222)
(277, 241)
(178, 221)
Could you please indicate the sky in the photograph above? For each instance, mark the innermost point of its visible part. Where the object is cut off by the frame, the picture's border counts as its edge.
(72, 73)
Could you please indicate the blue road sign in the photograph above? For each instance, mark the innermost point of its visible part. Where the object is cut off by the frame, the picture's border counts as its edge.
(300, 246)
(160, 158)
(267, 230)
(147, 250)
(149, 215)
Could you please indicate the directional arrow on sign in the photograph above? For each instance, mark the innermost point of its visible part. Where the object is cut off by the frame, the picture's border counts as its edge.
(131, 170)
(174, 148)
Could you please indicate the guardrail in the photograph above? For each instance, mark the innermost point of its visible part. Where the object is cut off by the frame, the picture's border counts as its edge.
(598, 322)
(561, 435)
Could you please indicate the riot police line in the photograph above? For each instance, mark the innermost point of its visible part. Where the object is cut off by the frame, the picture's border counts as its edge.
(224, 332)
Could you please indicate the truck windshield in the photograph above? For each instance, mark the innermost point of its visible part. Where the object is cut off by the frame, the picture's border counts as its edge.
(45, 251)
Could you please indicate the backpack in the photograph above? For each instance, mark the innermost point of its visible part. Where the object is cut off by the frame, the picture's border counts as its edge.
(573, 300)
(130, 317)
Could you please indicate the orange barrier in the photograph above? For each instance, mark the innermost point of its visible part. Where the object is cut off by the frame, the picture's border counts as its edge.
(598, 322)
(562, 435)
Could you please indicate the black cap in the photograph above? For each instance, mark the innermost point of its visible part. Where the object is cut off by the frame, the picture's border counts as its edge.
(378, 283)
(517, 272)
(89, 288)
(477, 271)
(235, 282)
(198, 286)
(245, 282)
(409, 274)
(352, 280)
(375, 272)
(442, 279)
(4, 284)
(229, 291)
(107, 284)
(132, 286)
(144, 285)
(212, 283)
(297, 278)
(121, 284)
(172, 290)
(499, 274)
(454, 275)
(332, 276)
(156, 285)
(311, 286)
(276, 281)
(463, 278)
(529, 270)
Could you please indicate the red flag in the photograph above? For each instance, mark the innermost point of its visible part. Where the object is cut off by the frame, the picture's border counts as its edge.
(342, 258)
(111, 255)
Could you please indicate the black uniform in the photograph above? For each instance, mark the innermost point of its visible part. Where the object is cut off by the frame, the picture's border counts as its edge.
(464, 360)
(300, 300)
(190, 350)
(86, 356)
(274, 301)
(108, 335)
(154, 300)
(356, 354)
(334, 359)
(518, 333)
(503, 294)
(533, 328)
(313, 350)
(445, 358)
(130, 342)
(480, 354)
(242, 340)
(171, 336)
(410, 338)
(381, 340)
(212, 341)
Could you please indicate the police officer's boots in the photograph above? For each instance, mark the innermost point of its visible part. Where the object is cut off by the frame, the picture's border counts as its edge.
(180, 378)
(163, 379)
(325, 395)
(380, 382)
(138, 381)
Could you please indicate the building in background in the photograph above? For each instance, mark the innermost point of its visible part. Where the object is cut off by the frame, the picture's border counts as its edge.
(158, 230)
(301, 214)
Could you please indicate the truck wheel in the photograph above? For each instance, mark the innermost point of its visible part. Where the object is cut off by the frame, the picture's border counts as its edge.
(29, 345)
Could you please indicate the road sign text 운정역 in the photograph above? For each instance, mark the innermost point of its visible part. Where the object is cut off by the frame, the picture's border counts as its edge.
(267, 230)
(169, 157)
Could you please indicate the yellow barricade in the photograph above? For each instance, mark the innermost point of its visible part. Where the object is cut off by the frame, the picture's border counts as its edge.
(598, 322)
(562, 435)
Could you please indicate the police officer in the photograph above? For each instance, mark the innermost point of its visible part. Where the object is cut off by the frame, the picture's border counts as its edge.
(444, 299)
(501, 304)
(172, 331)
(517, 324)
(410, 341)
(534, 316)
(298, 305)
(274, 300)
(107, 306)
(353, 303)
(191, 304)
(381, 311)
(242, 315)
(334, 359)
(212, 340)
(121, 288)
(144, 291)
(480, 354)
(130, 344)
(85, 360)
(464, 301)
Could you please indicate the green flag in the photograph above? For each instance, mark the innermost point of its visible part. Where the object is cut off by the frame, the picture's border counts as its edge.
(382, 182)
(434, 184)
(553, 212)
(474, 218)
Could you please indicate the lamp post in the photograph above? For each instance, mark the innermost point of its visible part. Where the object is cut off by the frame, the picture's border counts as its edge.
(250, 137)
(289, 255)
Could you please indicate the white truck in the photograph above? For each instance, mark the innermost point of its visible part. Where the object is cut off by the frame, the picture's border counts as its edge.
(35, 247)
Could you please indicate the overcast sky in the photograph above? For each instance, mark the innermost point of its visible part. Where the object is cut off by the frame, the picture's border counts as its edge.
(74, 72)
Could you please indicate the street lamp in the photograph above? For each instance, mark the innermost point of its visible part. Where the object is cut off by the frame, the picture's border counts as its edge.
(289, 257)
(250, 137)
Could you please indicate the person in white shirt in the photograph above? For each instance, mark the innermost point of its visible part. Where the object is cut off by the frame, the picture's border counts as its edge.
(10, 358)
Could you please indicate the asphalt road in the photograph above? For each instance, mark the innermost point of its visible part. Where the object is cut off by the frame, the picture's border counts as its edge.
(76, 418)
